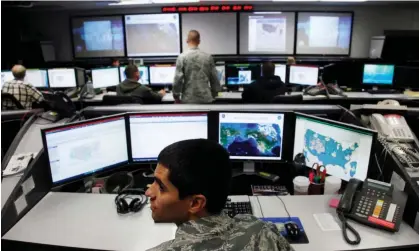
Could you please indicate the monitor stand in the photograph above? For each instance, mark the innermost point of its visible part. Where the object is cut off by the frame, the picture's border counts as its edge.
(249, 169)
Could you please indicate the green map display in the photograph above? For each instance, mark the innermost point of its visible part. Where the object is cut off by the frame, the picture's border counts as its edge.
(251, 139)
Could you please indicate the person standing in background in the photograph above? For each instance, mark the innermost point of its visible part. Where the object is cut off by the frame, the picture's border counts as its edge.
(194, 70)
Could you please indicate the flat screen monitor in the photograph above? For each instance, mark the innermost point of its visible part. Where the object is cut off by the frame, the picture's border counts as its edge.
(162, 74)
(37, 78)
(221, 74)
(252, 136)
(281, 71)
(144, 76)
(267, 33)
(6, 76)
(324, 33)
(62, 78)
(84, 148)
(171, 127)
(304, 75)
(105, 77)
(152, 35)
(378, 74)
(98, 36)
(344, 150)
(242, 74)
(213, 28)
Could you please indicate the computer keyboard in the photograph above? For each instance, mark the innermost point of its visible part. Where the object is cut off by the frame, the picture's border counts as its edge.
(234, 208)
(269, 190)
(383, 91)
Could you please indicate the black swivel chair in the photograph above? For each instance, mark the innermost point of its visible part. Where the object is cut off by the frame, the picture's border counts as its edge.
(8, 96)
(287, 99)
(118, 100)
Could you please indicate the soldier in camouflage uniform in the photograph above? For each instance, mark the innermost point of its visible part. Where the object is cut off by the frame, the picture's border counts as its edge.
(191, 186)
(196, 78)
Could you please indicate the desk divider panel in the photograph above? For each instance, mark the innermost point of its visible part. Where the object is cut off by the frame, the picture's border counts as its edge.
(34, 184)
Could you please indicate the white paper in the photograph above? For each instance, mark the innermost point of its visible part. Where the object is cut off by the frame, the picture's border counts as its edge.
(20, 204)
(28, 185)
(326, 222)
(18, 163)
(397, 181)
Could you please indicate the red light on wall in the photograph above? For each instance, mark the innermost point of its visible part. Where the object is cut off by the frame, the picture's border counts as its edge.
(205, 8)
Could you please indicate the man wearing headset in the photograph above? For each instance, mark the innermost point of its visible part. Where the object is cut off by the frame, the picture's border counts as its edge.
(192, 182)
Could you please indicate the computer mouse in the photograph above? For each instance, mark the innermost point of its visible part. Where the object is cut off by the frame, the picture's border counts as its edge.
(292, 229)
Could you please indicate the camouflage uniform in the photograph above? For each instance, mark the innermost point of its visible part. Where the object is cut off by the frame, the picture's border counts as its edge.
(219, 232)
(196, 77)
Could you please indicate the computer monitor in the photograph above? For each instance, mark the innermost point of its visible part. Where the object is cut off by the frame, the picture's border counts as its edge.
(221, 74)
(162, 74)
(37, 78)
(84, 148)
(378, 74)
(242, 74)
(6, 76)
(344, 150)
(281, 71)
(170, 128)
(105, 77)
(62, 78)
(252, 136)
(304, 75)
(144, 76)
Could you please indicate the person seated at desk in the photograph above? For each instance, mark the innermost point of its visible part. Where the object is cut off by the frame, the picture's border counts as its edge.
(266, 87)
(131, 87)
(23, 91)
(192, 182)
(194, 70)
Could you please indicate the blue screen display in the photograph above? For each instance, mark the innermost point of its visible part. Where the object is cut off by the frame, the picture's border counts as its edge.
(378, 74)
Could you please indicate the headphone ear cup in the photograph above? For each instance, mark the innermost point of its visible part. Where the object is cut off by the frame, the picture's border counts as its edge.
(122, 206)
(135, 205)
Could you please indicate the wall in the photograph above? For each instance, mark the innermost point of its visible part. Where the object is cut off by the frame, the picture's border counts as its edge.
(369, 20)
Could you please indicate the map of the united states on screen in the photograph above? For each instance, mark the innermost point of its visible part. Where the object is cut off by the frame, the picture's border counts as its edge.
(329, 151)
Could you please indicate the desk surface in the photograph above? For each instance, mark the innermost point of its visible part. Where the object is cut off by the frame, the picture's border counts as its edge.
(30, 142)
(91, 221)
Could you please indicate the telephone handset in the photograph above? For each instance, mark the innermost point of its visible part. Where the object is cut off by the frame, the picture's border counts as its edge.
(392, 126)
(370, 203)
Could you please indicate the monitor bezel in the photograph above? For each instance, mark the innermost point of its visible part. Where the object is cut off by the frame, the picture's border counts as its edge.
(62, 87)
(378, 84)
(160, 65)
(77, 124)
(105, 68)
(306, 66)
(169, 113)
(367, 130)
(287, 134)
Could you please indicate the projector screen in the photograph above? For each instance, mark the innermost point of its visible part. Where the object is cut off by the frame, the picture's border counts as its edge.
(98, 37)
(324, 33)
(152, 35)
(218, 32)
(267, 33)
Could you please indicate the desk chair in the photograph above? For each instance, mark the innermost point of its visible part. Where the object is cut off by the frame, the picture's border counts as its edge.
(8, 96)
(118, 100)
(287, 99)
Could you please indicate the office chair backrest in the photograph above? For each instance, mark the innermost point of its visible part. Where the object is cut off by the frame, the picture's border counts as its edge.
(8, 96)
(117, 100)
(287, 99)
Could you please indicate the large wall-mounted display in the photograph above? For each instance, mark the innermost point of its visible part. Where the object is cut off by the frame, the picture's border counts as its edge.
(324, 33)
(152, 35)
(267, 33)
(218, 32)
(98, 37)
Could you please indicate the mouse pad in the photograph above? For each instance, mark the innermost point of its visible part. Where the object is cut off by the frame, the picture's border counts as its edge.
(279, 222)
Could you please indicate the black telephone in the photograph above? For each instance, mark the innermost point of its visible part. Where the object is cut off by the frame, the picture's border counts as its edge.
(370, 203)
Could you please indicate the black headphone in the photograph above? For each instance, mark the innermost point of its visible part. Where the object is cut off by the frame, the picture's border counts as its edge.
(136, 204)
